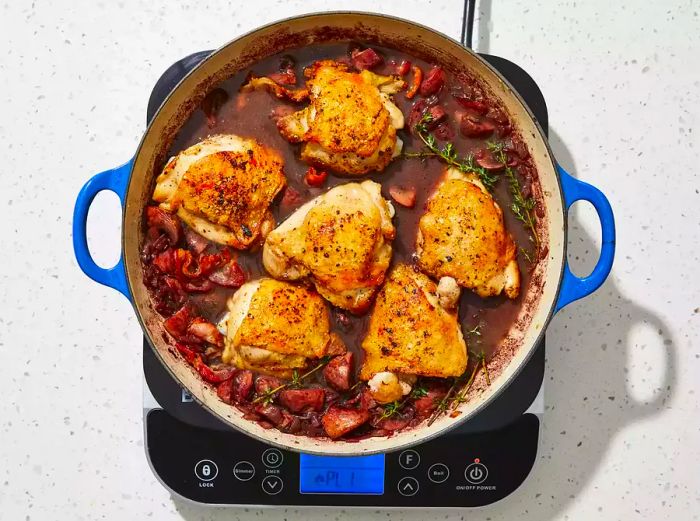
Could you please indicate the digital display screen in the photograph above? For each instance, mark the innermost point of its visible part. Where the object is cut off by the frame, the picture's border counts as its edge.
(339, 475)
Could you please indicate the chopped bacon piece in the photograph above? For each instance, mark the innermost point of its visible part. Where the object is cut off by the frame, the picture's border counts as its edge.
(164, 222)
(338, 421)
(242, 385)
(405, 196)
(177, 324)
(474, 107)
(207, 373)
(187, 353)
(476, 126)
(338, 372)
(287, 62)
(498, 116)
(403, 68)
(196, 243)
(366, 59)
(428, 403)
(206, 331)
(437, 115)
(253, 83)
(433, 81)
(291, 197)
(342, 319)
(273, 413)
(210, 375)
(416, 80)
(395, 422)
(212, 103)
(315, 178)
(485, 159)
(197, 286)
(224, 390)
(299, 400)
(444, 131)
(416, 113)
(181, 263)
(287, 77)
(264, 384)
(230, 275)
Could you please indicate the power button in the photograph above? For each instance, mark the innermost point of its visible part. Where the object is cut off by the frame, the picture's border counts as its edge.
(476, 473)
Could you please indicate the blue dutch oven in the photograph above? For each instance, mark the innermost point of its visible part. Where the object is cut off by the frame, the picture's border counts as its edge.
(557, 286)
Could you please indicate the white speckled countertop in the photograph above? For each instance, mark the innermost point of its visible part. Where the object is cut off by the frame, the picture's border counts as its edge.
(621, 436)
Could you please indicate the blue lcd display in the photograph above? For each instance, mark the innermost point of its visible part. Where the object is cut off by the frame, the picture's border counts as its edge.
(338, 475)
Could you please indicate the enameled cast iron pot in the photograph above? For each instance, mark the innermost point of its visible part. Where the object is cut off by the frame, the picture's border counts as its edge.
(553, 284)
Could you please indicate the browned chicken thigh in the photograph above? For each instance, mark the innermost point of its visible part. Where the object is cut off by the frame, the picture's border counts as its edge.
(462, 235)
(222, 187)
(340, 241)
(410, 333)
(350, 123)
(274, 327)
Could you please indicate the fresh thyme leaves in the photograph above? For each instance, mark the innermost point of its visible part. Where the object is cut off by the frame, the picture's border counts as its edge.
(476, 330)
(448, 154)
(455, 397)
(268, 396)
(395, 407)
(486, 370)
(522, 207)
(419, 391)
(461, 396)
(444, 403)
(390, 409)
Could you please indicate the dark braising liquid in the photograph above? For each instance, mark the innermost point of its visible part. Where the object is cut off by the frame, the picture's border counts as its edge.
(254, 119)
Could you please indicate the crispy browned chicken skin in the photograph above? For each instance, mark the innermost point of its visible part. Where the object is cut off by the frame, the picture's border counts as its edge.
(274, 327)
(222, 187)
(462, 235)
(340, 241)
(410, 333)
(350, 123)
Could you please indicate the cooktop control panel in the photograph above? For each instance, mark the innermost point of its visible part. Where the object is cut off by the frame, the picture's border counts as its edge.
(227, 468)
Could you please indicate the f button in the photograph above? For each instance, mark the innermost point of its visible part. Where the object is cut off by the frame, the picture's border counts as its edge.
(409, 459)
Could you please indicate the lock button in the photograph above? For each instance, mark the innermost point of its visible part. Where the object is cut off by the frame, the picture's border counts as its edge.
(206, 470)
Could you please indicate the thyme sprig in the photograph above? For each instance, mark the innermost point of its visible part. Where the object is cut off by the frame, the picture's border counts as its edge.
(455, 397)
(448, 154)
(393, 408)
(522, 207)
(268, 396)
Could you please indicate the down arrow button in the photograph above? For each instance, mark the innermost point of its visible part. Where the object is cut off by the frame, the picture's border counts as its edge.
(272, 485)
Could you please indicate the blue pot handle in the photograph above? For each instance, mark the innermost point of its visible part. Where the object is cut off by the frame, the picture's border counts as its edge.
(573, 287)
(115, 180)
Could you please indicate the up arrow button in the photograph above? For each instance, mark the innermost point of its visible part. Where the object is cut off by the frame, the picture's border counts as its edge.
(408, 486)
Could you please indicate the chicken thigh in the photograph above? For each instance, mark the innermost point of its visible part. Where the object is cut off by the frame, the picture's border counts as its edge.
(274, 327)
(340, 241)
(350, 123)
(222, 187)
(410, 334)
(462, 235)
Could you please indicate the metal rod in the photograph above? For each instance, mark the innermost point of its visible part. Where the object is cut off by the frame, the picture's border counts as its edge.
(468, 22)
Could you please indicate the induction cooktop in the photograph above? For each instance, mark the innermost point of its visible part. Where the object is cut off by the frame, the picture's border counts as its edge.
(201, 459)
